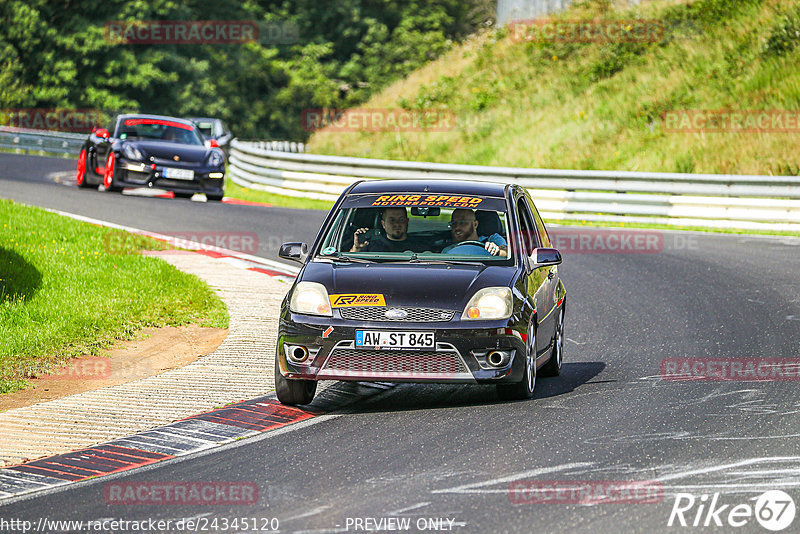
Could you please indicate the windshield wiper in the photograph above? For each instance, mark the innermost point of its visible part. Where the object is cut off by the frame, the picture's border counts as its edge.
(434, 261)
(337, 257)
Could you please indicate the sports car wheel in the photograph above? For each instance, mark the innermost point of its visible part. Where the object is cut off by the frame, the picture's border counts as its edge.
(108, 176)
(80, 178)
(523, 389)
(553, 365)
(293, 391)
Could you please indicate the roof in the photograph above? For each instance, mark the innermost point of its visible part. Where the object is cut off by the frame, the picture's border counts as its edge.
(450, 187)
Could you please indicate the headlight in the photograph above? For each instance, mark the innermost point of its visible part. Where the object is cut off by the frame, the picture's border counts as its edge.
(310, 298)
(216, 159)
(131, 152)
(489, 303)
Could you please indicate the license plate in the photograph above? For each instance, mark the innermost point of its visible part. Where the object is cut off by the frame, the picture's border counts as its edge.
(179, 174)
(381, 339)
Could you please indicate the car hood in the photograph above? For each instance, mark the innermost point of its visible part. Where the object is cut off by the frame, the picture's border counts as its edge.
(168, 151)
(419, 285)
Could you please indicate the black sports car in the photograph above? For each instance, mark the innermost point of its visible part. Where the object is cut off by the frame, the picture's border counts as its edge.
(152, 151)
(412, 281)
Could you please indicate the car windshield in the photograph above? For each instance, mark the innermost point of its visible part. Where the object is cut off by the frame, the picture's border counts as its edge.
(411, 227)
(159, 129)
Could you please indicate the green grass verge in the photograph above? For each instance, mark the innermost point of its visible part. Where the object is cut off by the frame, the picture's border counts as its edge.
(233, 190)
(69, 288)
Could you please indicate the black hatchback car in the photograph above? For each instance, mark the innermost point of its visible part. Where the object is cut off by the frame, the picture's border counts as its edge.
(412, 281)
(152, 151)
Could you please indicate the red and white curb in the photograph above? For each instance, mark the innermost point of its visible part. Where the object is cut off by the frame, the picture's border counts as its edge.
(191, 435)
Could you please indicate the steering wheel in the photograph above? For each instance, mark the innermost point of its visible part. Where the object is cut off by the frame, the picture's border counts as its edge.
(472, 252)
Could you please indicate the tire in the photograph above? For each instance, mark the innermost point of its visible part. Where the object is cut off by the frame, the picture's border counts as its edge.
(293, 391)
(523, 389)
(553, 365)
(80, 178)
(183, 195)
(214, 198)
(108, 175)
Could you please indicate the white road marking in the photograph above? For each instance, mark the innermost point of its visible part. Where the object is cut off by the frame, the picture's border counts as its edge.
(473, 487)
(313, 511)
(409, 508)
(722, 467)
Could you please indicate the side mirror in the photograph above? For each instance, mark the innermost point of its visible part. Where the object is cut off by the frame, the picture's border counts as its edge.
(547, 256)
(212, 143)
(294, 251)
(100, 132)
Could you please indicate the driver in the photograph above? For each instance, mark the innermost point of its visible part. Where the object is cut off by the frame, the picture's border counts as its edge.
(395, 223)
(464, 227)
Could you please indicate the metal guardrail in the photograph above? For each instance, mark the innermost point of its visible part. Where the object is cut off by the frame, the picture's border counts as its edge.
(41, 142)
(710, 200)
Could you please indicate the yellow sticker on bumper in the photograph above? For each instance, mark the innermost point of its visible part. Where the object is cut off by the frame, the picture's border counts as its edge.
(357, 299)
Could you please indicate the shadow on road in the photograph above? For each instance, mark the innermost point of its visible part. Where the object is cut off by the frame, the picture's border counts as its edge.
(403, 397)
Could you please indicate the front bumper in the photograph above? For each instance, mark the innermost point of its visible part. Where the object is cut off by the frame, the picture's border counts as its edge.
(459, 356)
(137, 174)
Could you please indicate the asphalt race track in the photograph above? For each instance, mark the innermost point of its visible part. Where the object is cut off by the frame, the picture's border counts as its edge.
(446, 456)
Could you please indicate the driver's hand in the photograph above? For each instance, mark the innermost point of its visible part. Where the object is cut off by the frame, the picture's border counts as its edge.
(358, 245)
(494, 249)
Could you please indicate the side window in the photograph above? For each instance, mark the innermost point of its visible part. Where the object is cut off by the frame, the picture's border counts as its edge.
(544, 239)
(527, 233)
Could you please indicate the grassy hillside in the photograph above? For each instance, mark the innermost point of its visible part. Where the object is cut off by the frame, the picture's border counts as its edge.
(600, 106)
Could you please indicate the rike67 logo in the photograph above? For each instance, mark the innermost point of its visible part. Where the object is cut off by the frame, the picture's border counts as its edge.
(774, 510)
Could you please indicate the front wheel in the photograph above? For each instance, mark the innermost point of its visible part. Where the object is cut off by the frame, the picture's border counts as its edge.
(523, 389)
(293, 391)
(80, 178)
(108, 175)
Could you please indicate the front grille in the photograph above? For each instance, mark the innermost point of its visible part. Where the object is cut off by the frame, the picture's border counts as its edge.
(169, 162)
(407, 364)
(415, 315)
(183, 184)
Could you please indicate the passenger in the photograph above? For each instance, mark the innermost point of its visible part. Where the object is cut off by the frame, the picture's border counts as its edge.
(464, 227)
(395, 223)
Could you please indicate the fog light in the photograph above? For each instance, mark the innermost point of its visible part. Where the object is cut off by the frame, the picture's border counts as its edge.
(215, 175)
(296, 353)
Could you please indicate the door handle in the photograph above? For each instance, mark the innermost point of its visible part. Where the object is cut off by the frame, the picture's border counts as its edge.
(551, 275)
